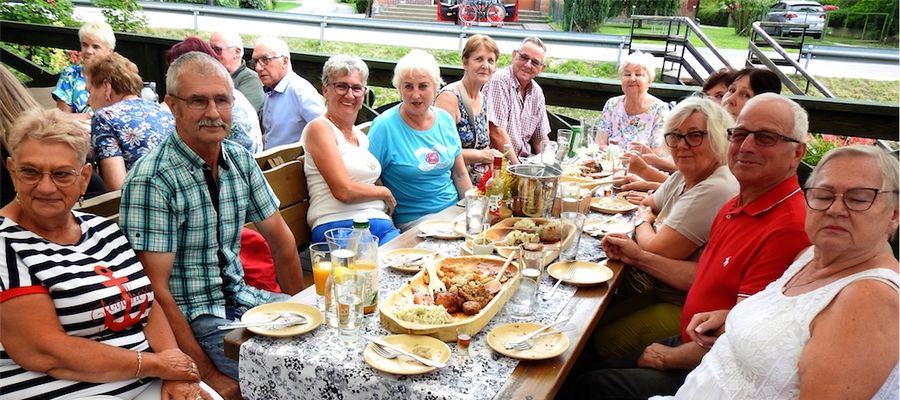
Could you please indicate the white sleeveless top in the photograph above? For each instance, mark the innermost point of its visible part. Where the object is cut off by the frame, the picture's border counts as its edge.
(362, 167)
(759, 355)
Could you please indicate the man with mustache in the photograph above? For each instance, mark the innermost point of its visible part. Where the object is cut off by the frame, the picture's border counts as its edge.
(753, 239)
(182, 209)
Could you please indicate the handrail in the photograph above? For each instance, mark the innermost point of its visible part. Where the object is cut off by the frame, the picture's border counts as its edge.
(697, 31)
(323, 21)
(780, 50)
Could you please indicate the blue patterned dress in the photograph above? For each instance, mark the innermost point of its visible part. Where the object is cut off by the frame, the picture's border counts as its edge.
(473, 137)
(130, 129)
(71, 89)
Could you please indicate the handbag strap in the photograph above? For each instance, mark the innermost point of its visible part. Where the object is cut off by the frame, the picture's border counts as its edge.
(467, 103)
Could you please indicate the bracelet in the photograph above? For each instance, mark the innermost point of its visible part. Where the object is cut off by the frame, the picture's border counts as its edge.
(140, 357)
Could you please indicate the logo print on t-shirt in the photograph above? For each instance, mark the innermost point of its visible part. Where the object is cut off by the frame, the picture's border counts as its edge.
(109, 316)
(431, 158)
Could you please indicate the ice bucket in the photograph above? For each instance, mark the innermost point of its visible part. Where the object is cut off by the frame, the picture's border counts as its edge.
(536, 189)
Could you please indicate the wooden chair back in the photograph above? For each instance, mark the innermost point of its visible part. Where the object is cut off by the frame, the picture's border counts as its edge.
(364, 127)
(288, 182)
(278, 155)
(104, 205)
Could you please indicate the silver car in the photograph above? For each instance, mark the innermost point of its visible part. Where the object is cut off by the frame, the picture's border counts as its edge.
(797, 12)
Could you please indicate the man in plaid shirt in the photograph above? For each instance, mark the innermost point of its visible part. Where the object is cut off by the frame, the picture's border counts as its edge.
(517, 112)
(183, 207)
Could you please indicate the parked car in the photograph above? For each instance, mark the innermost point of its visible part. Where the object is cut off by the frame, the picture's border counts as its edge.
(478, 12)
(797, 12)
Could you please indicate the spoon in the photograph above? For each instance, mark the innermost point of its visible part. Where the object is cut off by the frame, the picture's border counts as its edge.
(494, 285)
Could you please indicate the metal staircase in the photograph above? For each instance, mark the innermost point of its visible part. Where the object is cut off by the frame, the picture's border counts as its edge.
(675, 33)
(758, 39)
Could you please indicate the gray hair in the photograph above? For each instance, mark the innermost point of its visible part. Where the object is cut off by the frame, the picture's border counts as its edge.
(801, 118)
(888, 164)
(417, 61)
(99, 30)
(198, 62)
(50, 126)
(232, 39)
(717, 121)
(535, 41)
(343, 65)
(277, 45)
(640, 59)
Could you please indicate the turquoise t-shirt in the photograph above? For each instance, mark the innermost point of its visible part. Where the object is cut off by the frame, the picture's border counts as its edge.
(416, 165)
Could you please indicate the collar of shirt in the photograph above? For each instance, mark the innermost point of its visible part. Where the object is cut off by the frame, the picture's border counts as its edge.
(282, 85)
(193, 161)
(239, 69)
(775, 196)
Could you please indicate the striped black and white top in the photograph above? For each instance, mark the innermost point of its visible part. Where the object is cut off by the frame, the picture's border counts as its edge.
(100, 292)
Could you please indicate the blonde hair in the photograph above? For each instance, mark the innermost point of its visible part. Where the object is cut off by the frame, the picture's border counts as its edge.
(640, 59)
(51, 126)
(14, 100)
(717, 121)
(475, 42)
(417, 61)
(99, 30)
(120, 72)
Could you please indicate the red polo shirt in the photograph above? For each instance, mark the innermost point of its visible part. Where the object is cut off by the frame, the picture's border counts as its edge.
(748, 248)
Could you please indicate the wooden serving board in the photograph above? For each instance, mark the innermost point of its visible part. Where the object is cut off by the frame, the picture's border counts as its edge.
(499, 231)
(472, 324)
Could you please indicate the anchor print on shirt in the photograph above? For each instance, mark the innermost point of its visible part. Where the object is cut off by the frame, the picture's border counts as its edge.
(431, 158)
(109, 316)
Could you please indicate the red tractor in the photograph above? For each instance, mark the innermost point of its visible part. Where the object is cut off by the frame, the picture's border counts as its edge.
(478, 12)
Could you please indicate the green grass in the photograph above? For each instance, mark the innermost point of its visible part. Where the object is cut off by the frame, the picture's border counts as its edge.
(286, 5)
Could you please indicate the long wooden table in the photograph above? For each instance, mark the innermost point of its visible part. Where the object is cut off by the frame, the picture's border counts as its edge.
(531, 379)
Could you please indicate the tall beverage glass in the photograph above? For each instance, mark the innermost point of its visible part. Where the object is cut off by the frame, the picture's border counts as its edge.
(575, 221)
(366, 265)
(320, 256)
(476, 211)
(521, 305)
(349, 287)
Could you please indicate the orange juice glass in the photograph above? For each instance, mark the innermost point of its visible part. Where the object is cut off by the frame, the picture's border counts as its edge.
(320, 256)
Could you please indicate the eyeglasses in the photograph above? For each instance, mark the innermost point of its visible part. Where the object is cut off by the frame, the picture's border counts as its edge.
(859, 199)
(765, 139)
(218, 50)
(202, 102)
(693, 138)
(342, 88)
(262, 61)
(526, 59)
(61, 178)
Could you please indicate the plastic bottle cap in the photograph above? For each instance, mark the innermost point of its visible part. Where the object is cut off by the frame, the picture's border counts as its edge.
(360, 223)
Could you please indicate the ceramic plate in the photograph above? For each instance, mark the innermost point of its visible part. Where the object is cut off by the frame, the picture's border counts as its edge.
(407, 260)
(586, 273)
(544, 347)
(599, 227)
(611, 205)
(402, 365)
(265, 312)
(440, 229)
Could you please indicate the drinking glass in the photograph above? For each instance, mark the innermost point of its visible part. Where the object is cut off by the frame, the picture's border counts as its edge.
(320, 256)
(366, 264)
(476, 211)
(521, 305)
(569, 193)
(349, 289)
(342, 251)
(575, 220)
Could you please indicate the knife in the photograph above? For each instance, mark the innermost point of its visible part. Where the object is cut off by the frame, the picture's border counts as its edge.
(382, 343)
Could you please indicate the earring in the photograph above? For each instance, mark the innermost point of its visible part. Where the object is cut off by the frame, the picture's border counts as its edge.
(80, 201)
(18, 200)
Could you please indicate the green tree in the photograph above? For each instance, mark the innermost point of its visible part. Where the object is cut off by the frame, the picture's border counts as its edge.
(745, 12)
(585, 15)
(46, 12)
(123, 15)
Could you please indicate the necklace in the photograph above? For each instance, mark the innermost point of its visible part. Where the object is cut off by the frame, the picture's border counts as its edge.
(340, 126)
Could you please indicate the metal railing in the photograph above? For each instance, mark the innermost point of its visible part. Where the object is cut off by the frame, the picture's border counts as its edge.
(755, 50)
(696, 30)
(330, 21)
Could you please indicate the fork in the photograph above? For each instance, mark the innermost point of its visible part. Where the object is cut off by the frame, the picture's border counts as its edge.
(569, 274)
(515, 343)
(384, 352)
(527, 344)
(434, 284)
(281, 320)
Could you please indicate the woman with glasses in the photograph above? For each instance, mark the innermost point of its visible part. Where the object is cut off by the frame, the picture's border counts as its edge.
(467, 105)
(674, 223)
(828, 328)
(125, 126)
(636, 116)
(417, 144)
(245, 129)
(340, 170)
(77, 313)
(71, 93)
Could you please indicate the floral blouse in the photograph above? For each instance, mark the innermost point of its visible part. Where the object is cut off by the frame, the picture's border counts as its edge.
(71, 88)
(130, 129)
(473, 137)
(645, 128)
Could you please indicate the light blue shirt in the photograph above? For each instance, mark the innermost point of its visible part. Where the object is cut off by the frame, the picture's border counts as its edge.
(288, 108)
(416, 165)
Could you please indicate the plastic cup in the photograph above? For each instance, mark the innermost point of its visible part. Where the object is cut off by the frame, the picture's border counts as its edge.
(576, 221)
(476, 211)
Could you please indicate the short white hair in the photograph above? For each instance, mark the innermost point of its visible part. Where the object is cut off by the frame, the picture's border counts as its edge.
(232, 39)
(801, 118)
(640, 59)
(717, 121)
(276, 44)
(417, 61)
(99, 30)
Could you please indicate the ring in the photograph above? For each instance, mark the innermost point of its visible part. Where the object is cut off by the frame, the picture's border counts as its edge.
(194, 369)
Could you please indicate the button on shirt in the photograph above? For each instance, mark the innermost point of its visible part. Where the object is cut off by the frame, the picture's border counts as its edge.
(522, 118)
(167, 208)
(288, 108)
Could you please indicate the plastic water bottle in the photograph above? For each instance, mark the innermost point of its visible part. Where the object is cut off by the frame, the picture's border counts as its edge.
(366, 261)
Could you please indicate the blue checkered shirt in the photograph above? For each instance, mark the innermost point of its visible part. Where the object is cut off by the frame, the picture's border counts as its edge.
(166, 207)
